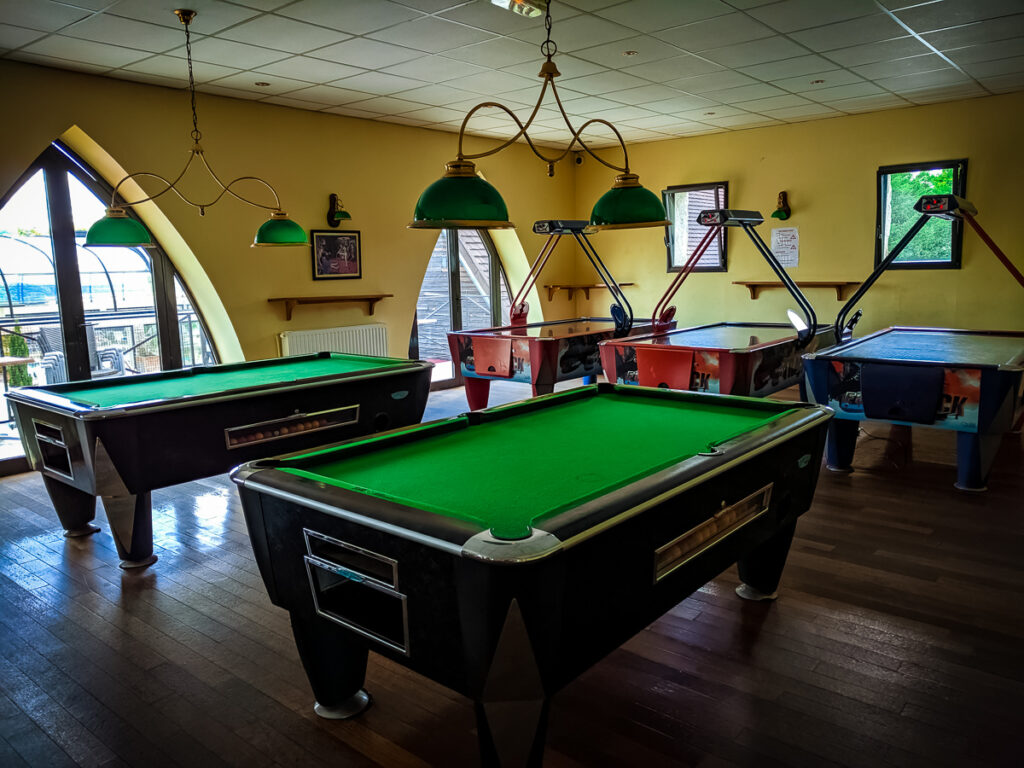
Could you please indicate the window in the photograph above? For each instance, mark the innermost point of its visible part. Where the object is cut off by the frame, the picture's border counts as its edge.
(682, 204)
(937, 245)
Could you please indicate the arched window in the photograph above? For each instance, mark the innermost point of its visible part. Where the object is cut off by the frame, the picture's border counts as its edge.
(74, 312)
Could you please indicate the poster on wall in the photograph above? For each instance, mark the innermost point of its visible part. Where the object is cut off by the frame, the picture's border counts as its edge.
(786, 246)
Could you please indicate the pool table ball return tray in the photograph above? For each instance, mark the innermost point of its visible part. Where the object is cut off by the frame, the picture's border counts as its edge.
(971, 382)
(120, 440)
(546, 352)
(504, 575)
(753, 359)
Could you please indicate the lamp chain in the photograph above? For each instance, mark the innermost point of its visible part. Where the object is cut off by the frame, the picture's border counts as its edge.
(549, 47)
(196, 135)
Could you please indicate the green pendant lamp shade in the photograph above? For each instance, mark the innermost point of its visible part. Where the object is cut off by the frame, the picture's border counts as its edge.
(460, 200)
(116, 230)
(627, 205)
(279, 230)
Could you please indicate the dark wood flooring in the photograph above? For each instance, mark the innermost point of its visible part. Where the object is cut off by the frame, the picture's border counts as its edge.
(897, 641)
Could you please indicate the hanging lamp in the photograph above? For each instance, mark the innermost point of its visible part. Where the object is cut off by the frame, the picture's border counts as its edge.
(117, 229)
(462, 200)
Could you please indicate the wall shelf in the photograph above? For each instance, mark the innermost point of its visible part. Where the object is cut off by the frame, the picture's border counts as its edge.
(290, 302)
(571, 289)
(840, 286)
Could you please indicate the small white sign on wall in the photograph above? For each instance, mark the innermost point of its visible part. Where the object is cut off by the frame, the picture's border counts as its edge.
(786, 246)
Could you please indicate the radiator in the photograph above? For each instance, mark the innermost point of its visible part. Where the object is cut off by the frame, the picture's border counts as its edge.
(371, 339)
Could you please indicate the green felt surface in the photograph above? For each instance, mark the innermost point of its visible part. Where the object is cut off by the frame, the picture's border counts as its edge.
(130, 391)
(514, 472)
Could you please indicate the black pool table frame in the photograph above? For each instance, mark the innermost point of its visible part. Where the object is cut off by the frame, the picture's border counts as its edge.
(122, 453)
(509, 623)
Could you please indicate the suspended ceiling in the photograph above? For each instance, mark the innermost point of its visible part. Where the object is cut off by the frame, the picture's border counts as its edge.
(655, 68)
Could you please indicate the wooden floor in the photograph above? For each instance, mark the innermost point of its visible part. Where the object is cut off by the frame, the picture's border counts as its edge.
(898, 640)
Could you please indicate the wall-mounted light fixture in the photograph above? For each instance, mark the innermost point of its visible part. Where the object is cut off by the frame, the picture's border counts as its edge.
(462, 200)
(116, 229)
(336, 212)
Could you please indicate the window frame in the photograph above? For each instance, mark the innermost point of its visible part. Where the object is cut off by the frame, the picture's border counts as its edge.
(959, 167)
(722, 237)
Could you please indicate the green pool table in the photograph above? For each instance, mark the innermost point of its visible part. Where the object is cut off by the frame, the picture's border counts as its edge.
(503, 552)
(121, 439)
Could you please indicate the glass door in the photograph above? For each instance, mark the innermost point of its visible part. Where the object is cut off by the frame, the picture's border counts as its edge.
(464, 287)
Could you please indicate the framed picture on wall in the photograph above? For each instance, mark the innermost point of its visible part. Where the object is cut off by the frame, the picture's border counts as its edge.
(336, 255)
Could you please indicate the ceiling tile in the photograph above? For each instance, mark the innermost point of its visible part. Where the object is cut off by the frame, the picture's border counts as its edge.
(643, 94)
(283, 34)
(714, 81)
(869, 103)
(114, 30)
(674, 68)
(715, 33)
(1004, 83)
(651, 15)
(588, 104)
(431, 6)
(898, 67)
(328, 94)
(809, 83)
(744, 93)
(435, 69)
(368, 54)
(604, 82)
(211, 15)
(288, 101)
(489, 17)
(966, 90)
(568, 66)
(851, 91)
(623, 113)
(142, 77)
(1000, 50)
(39, 14)
(714, 110)
(435, 114)
(984, 69)
(264, 5)
(15, 37)
(981, 32)
(246, 81)
(357, 17)
(580, 32)
(175, 68)
(229, 53)
(799, 65)
(868, 29)
(352, 112)
(756, 52)
(378, 83)
(442, 95)
(85, 51)
(792, 15)
(741, 121)
(921, 80)
(679, 104)
(231, 93)
(52, 61)
(309, 69)
(785, 101)
(431, 35)
(797, 114)
(872, 52)
(645, 48)
(951, 13)
(497, 53)
(492, 81)
(653, 122)
(387, 105)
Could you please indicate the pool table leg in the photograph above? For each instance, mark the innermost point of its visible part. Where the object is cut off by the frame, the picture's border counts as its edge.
(761, 569)
(76, 509)
(335, 662)
(841, 444)
(477, 391)
(131, 524)
(974, 456)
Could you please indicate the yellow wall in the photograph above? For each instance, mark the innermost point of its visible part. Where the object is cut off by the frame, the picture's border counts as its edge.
(378, 169)
(828, 168)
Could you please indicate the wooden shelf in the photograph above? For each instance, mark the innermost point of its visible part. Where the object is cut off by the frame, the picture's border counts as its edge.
(290, 302)
(755, 286)
(571, 289)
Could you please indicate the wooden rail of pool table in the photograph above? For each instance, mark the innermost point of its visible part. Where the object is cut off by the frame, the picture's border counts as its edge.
(290, 302)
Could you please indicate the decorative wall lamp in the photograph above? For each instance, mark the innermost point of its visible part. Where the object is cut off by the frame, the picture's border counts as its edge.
(336, 212)
(462, 200)
(116, 229)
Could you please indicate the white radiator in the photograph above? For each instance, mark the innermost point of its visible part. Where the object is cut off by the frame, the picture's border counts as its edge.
(371, 339)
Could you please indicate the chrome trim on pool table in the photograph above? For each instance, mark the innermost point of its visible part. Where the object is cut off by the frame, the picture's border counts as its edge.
(344, 514)
(484, 546)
